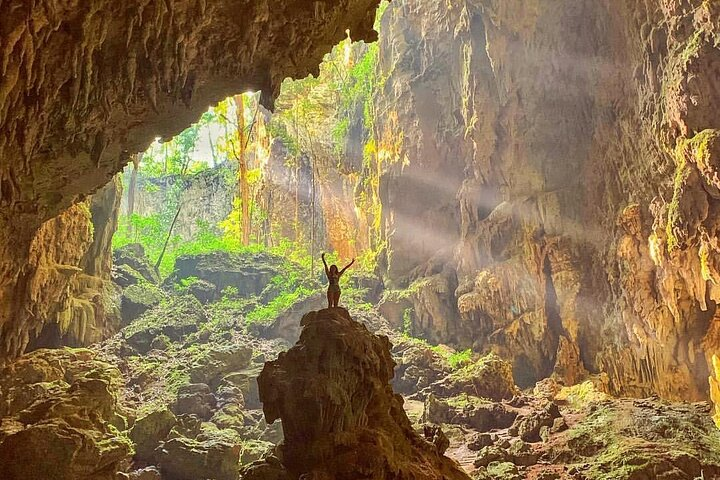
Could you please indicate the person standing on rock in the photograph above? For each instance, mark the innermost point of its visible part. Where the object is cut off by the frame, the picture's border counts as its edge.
(333, 276)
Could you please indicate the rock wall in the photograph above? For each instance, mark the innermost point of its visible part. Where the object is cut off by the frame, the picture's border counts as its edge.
(86, 311)
(559, 158)
(206, 198)
(84, 86)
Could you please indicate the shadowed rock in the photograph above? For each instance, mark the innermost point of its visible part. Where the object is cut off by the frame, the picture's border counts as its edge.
(341, 419)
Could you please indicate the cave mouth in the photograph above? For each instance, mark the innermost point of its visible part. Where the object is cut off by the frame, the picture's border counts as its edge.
(427, 163)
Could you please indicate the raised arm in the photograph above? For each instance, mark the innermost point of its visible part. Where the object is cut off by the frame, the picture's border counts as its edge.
(327, 272)
(347, 266)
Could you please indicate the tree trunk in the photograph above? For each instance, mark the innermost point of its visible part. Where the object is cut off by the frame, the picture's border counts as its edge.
(213, 153)
(242, 171)
(167, 240)
(132, 189)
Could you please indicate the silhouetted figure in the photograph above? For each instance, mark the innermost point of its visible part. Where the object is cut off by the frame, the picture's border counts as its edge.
(333, 275)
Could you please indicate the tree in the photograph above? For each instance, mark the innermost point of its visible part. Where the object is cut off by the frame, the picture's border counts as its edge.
(243, 187)
(133, 187)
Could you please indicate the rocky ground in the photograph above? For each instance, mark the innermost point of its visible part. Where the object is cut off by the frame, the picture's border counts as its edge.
(174, 396)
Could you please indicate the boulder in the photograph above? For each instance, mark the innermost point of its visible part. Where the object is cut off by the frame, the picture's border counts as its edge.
(204, 291)
(138, 299)
(469, 411)
(528, 427)
(490, 377)
(176, 318)
(187, 459)
(149, 431)
(133, 256)
(249, 273)
(246, 380)
(419, 366)
(61, 417)
(490, 454)
(340, 417)
(522, 454)
(195, 399)
(219, 360)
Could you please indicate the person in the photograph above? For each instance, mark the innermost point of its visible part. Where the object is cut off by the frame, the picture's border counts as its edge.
(333, 276)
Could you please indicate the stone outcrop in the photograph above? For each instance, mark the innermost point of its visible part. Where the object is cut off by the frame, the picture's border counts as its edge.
(61, 418)
(340, 417)
(85, 86)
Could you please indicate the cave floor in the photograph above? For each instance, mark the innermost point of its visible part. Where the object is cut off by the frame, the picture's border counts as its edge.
(177, 387)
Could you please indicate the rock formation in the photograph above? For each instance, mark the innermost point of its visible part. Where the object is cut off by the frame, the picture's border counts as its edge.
(548, 184)
(61, 418)
(84, 309)
(340, 417)
(85, 86)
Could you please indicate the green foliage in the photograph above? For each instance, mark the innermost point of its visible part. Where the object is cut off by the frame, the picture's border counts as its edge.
(460, 359)
(172, 157)
(186, 283)
(407, 326)
(268, 313)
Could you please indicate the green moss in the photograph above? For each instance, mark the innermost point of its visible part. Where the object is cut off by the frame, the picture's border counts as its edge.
(674, 215)
(399, 295)
(465, 401)
(698, 149)
(407, 326)
(580, 395)
(267, 313)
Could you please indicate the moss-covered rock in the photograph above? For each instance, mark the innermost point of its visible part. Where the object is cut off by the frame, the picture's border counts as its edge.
(469, 411)
(215, 361)
(176, 318)
(489, 377)
(249, 273)
(138, 299)
(64, 401)
(133, 256)
(189, 459)
(149, 431)
(633, 439)
(529, 427)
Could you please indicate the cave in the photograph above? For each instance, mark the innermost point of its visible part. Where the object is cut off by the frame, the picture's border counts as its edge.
(520, 198)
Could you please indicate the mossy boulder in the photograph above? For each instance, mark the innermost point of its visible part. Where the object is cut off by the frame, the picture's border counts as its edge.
(499, 470)
(418, 367)
(149, 431)
(61, 417)
(469, 411)
(133, 256)
(191, 459)
(213, 361)
(254, 450)
(176, 317)
(138, 299)
(530, 427)
(246, 381)
(489, 377)
(195, 399)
